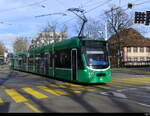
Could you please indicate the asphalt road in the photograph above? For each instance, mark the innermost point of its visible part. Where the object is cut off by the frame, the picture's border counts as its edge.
(24, 92)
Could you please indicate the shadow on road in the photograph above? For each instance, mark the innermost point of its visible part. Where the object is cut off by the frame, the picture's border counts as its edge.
(4, 108)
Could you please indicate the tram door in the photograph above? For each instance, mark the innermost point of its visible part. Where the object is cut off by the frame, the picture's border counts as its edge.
(74, 64)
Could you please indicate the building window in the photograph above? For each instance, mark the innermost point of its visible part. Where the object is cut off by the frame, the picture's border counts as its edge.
(129, 59)
(141, 49)
(141, 58)
(148, 58)
(135, 49)
(147, 49)
(135, 58)
(128, 49)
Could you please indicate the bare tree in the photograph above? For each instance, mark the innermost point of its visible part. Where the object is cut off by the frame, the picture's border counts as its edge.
(52, 28)
(2, 48)
(63, 32)
(20, 45)
(117, 20)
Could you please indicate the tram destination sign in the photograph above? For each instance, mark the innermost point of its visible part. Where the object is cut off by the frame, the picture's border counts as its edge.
(142, 18)
(93, 43)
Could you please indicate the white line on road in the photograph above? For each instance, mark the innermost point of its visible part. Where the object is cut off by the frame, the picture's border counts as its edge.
(121, 90)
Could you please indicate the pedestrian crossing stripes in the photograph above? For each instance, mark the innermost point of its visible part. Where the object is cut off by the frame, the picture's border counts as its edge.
(1, 101)
(32, 107)
(38, 92)
(133, 81)
(79, 86)
(119, 85)
(65, 88)
(52, 91)
(35, 93)
(17, 97)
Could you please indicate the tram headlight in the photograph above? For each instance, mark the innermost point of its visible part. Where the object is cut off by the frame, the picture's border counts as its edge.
(100, 79)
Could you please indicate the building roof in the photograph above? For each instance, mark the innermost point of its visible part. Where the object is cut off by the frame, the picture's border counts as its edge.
(130, 37)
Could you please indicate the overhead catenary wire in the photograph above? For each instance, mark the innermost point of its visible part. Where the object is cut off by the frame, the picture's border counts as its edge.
(89, 10)
(143, 2)
(48, 14)
(29, 5)
(92, 9)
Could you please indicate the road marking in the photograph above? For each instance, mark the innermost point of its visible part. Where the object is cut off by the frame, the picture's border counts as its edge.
(120, 84)
(133, 81)
(127, 89)
(15, 96)
(79, 86)
(101, 86)
(143, 104)
(52, 91)
(138, 81)
(66, 88)
(35, 93)
(125, 82)
(112, 85)
(1, 101)
(32, 107)
(143, 79)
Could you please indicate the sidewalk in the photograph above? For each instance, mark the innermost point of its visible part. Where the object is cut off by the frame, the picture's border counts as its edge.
(142, 70)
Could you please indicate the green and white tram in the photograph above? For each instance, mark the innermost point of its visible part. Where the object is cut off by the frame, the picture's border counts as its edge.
(81, 60)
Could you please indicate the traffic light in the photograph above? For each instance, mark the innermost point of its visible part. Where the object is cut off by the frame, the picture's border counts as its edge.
(130, 5)
(147, 18)
(140, 17)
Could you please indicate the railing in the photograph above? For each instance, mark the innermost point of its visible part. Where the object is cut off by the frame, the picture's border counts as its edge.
(136, 63)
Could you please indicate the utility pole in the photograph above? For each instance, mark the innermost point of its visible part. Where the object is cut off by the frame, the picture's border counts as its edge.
(106, 31)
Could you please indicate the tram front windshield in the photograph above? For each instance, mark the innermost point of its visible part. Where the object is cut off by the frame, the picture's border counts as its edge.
(96, 58)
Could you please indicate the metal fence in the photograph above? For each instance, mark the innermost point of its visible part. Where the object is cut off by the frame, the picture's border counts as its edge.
(136, 64)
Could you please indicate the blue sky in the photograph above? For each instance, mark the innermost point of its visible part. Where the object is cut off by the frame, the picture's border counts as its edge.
(18, 16)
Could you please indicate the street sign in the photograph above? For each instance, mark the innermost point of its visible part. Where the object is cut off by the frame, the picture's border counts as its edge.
(147, 18)
(142, 18)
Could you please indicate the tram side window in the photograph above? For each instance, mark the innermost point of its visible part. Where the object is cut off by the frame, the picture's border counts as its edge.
(31, 60)
(42, 60)
(50, 59)
(46, 59)
(20, 60)
(16, 61)
(24, 59)
(63, 59)
(37, 59)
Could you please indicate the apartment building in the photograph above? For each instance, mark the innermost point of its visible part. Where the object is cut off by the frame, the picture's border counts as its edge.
(138, 53)
(135, 48)
(45, 38)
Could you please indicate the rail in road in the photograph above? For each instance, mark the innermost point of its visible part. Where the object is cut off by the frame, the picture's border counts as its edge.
(40, 92)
